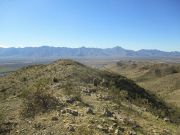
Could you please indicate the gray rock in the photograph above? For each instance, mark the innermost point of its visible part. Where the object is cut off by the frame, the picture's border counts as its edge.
(166, 132)
(72, 112)
(89, 111)
(132, 133)
(107, 113)
(88, 90)
(70, 128)
(119, 131)
(104, 129)
(110, 129)
(70, 100)
(104, 82)
(166, 119)
(105, 97)
(114, 125)
(63, 111)
(39, 126)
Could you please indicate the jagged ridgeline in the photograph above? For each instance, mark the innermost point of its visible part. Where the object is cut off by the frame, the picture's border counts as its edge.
(69, 97)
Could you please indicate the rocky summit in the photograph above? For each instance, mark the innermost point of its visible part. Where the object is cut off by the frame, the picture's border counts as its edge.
(67, 97)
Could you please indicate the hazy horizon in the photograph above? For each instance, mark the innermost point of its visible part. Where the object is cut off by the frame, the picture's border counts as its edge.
(87, 48)
(130, 24)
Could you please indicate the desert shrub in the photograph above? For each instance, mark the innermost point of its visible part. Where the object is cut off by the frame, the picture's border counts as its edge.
(5, 127)
(174, 114)
(40, 85)
(174, 71)
(118, 95)
(55, 80)
(26, 92)
(71, 89)
(157, 72)
(2, 115)
(24, 79)
(82, 130)
(39, 100)
(119, 63)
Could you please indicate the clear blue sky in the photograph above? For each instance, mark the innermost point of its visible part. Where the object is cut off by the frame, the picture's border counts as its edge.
(132, 24)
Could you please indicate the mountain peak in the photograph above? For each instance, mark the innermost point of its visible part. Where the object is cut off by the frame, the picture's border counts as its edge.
(83, 52)
(118, 47)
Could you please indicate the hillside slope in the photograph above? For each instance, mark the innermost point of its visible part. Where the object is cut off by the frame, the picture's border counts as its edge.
(162, 79)
(66, 97)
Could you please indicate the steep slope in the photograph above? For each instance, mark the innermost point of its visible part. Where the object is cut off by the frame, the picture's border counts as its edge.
(66, 97)
(161, 78)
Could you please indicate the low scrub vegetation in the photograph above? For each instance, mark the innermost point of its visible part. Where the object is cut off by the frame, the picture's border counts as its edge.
(65, 96)
(39, 100)
(2, 115)
(125, 89)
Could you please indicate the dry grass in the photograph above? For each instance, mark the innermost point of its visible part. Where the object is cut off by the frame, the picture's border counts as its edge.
(163, 79)
(44, 91)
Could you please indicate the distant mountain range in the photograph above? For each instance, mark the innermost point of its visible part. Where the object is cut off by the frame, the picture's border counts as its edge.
(82, 52)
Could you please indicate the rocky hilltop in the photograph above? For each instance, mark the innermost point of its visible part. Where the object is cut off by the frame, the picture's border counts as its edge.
(67, 97)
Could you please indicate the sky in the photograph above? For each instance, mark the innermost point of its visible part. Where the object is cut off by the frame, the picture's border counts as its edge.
(131, 24)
